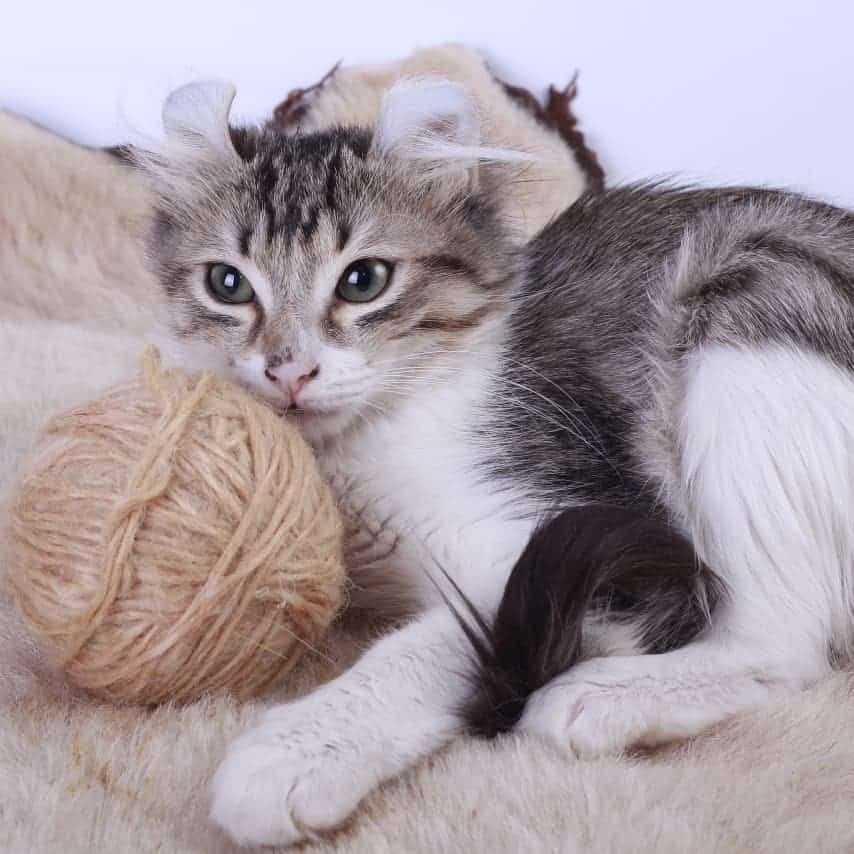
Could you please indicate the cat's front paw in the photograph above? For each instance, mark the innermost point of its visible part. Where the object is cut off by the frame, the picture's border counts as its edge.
(604, 706)
(281, 782)
(607, 705)
(587, 718)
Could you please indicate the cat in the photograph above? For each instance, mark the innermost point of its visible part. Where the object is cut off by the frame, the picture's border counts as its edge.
(631, 433)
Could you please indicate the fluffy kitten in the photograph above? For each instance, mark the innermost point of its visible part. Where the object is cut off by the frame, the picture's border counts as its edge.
(684, 354)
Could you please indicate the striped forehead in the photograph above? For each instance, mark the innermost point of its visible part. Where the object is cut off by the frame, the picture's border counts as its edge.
(299, 180)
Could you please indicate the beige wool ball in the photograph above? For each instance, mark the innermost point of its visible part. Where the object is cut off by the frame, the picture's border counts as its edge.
(174, 538)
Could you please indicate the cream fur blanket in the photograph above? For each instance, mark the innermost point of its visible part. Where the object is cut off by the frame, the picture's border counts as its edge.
(75, 308)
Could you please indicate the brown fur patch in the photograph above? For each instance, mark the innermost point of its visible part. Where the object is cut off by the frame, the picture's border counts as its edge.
(557, 115)
(453, 324)
(288, 114)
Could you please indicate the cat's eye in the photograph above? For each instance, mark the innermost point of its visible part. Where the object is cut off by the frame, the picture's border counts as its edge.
(364, 280)
(228, 284)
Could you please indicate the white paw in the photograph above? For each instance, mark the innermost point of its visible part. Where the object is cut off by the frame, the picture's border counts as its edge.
(585, 718)
(607, 705)
(282, 782)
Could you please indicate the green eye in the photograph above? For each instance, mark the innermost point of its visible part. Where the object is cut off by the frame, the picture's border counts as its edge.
(364, 280)
(228, 284)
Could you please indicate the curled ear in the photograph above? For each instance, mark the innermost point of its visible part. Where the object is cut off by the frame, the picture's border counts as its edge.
(197, 115)
(420, 117)
(197, 144)
(434, 125)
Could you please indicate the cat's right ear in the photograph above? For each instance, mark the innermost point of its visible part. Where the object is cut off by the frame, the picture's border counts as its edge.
(196, 116)
(432, 126)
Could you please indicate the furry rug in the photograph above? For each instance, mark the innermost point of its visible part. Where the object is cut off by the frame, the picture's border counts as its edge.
(76, 776)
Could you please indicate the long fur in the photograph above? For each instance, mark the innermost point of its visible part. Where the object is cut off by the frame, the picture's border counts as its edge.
(596, 562)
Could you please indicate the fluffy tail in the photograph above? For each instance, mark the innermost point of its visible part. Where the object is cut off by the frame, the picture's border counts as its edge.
(630, 568)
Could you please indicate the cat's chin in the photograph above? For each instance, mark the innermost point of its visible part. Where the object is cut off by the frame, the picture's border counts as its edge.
(319, 426)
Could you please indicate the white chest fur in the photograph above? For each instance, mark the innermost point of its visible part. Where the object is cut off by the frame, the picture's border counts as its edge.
(418, 500)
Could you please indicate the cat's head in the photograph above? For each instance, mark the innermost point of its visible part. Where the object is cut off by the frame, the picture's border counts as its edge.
(334, 273)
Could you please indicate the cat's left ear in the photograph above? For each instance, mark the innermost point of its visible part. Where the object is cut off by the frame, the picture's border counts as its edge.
(196, 115)
(433, 126)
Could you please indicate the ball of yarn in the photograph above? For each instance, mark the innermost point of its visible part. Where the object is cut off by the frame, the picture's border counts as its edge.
(174, 538)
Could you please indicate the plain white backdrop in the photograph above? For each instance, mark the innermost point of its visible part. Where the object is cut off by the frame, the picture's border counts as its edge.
(723, 91)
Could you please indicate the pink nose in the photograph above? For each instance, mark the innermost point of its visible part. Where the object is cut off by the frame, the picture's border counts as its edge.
(291, 376)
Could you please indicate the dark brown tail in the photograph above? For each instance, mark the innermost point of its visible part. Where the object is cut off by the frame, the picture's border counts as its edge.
(619, 563)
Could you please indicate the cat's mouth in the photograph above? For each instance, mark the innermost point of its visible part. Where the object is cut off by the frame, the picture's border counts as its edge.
(306, 412)
(291, 411)
(317, 420)
(317, 423)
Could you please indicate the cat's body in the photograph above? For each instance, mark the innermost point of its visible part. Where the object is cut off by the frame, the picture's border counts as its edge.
(685, 353)
(550, 408)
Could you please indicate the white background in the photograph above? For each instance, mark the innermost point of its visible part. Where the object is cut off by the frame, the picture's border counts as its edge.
(717, 91)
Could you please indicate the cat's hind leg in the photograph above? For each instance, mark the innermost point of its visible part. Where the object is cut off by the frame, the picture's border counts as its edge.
(765, 451)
